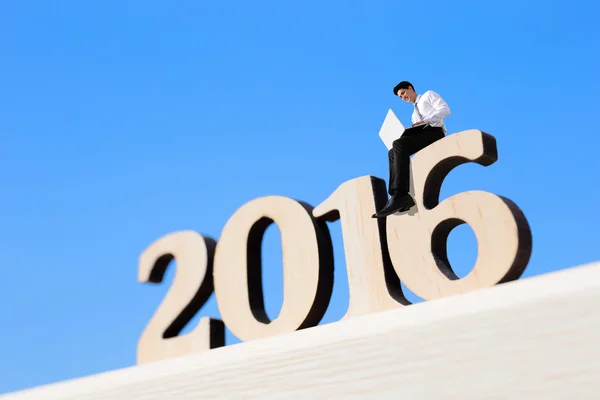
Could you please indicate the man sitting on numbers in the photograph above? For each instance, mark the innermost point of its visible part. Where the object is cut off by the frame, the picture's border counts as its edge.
(428, 127)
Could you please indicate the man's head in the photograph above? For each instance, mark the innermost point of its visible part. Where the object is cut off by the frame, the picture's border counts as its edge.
(406, 91)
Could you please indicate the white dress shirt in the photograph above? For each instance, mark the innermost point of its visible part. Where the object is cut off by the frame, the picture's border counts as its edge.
(433, 109)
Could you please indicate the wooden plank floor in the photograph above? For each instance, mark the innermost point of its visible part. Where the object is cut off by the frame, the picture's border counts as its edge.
(536, 338)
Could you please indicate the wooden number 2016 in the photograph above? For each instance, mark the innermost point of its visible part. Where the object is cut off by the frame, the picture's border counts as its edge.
(379, 253)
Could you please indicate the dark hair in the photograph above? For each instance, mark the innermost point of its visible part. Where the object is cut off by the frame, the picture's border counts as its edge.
(402, 85)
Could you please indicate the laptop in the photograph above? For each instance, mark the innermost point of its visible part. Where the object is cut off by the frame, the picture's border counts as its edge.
(391, 129)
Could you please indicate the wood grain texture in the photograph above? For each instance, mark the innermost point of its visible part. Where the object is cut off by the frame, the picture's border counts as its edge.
(373, 285)
(191, 288)
(379, 254)
(417, 240)
(534, 338)
(307, 268)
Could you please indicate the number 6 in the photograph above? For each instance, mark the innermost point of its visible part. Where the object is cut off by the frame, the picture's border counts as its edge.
(417, 241)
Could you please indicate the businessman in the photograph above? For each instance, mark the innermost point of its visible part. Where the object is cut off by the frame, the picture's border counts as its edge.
(428, 127)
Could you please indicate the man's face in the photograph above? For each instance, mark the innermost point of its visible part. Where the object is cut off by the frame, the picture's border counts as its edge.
(407, 95)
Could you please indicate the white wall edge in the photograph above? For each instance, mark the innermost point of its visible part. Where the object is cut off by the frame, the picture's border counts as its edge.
(535, 338)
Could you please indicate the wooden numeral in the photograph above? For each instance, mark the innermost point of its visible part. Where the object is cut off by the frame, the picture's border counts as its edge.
(307, 268)
(417, 240)
(373, 284)
(191, 288)
(410, 247)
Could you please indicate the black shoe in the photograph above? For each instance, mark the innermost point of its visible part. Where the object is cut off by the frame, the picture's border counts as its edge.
(407, 203)
(388, 205)
(395, 204)
(389, 202)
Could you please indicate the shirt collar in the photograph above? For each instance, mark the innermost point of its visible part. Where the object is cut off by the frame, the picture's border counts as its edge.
(417, 99)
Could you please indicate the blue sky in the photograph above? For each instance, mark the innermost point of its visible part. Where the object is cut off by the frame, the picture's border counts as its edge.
(123, 121)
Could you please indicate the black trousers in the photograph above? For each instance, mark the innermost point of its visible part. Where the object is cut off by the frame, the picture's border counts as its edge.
(413, 140)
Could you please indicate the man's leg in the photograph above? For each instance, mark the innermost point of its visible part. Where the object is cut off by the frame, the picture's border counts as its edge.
(392, 178)
(405, 147)
(399, 158)
(393, 160)
(392, 175)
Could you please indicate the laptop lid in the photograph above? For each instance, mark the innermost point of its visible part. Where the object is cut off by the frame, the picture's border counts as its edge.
(391, 129)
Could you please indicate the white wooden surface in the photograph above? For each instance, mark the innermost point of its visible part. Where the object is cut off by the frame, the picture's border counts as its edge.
(535, 338)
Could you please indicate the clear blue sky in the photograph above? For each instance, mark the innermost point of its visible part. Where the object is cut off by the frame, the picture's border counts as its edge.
(123, 121)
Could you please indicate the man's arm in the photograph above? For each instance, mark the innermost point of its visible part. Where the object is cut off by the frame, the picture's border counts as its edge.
(439, 105)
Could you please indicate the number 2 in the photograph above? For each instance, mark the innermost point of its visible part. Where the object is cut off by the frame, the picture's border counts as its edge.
(191, 288)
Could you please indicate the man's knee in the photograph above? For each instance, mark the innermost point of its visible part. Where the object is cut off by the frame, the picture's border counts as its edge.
(399, 144)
